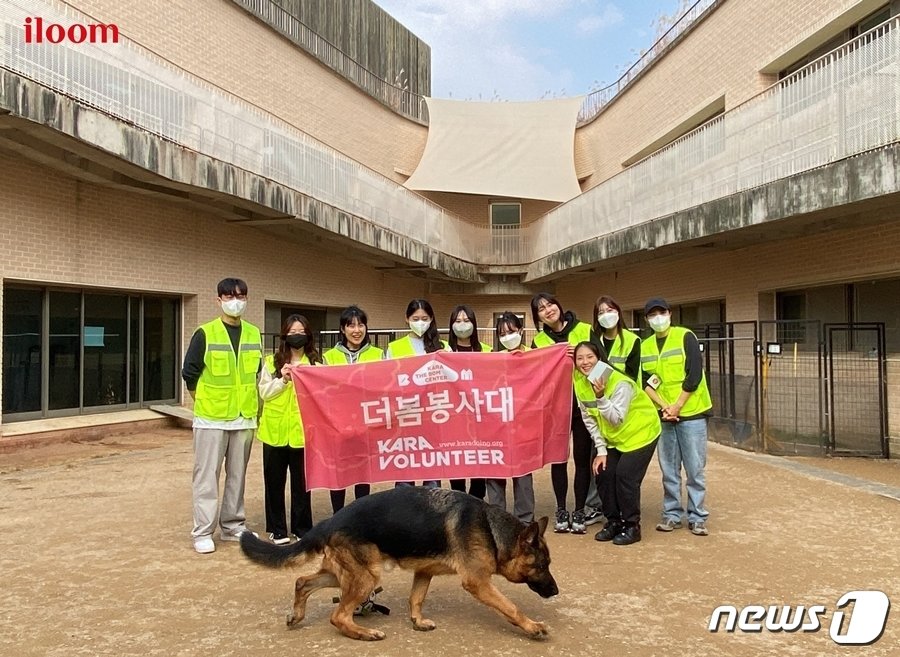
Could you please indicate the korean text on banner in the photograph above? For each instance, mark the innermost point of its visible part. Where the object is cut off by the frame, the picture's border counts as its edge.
(438, 416)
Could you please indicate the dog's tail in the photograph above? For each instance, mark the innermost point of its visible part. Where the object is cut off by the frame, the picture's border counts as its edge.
(281, 556)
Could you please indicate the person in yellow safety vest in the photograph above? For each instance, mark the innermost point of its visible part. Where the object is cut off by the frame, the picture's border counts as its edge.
(625, 428)
(354, 347)
(510, 332)
(557, 326)
(423, 338)
(464, 337)
(673, 377)
(622, 346)
(220, 369)
(624, 350)
(281, 431)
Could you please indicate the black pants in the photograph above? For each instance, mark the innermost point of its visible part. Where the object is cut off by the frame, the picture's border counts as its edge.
(620, 484)
(581, 454)
(338, 497)
(276, 462)
(477, 487)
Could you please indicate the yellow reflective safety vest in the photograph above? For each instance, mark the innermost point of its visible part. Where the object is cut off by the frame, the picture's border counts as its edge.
(621, 348)
(403, 347)
(669, 366)
(280, 423)
(368, 354)
(641, 425)
(581, 333)
(226, 389)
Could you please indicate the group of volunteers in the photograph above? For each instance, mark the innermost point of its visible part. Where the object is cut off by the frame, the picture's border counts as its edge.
(645, 396)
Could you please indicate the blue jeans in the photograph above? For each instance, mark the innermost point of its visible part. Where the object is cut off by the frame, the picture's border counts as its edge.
(683, 443)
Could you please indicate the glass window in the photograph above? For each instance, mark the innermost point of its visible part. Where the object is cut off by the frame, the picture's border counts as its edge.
(22, 315)
(83, 351)
(506, 214)
(160, 348)
(105, 349)
(64, 356)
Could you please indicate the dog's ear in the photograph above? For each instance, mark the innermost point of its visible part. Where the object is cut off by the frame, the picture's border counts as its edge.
(533, 532)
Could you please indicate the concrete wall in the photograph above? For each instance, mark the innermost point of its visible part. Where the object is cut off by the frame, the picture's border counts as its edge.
(219, 42)
(719, 58)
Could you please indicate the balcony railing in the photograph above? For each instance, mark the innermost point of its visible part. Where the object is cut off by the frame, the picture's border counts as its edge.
(845, 103)
(129, 82)
(596, 101)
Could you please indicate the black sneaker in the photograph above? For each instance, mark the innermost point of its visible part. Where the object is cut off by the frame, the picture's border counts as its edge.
(593, 516)
(578, 526)
(609, 532)
(630, 534)
(562, 521)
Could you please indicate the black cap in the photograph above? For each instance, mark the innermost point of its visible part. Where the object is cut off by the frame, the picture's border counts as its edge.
(656, 302)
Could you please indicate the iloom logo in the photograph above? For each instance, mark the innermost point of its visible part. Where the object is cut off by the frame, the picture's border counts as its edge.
(36, 31)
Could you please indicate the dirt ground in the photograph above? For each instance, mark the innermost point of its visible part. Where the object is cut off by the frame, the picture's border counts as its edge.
(97, 560)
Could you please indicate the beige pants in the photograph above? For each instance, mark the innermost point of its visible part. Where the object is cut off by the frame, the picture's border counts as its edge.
(211, 448)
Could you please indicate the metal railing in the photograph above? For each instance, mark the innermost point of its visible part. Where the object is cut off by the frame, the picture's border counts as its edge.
(129, 82)
(403, 101)
(596, 101)
(845, 103)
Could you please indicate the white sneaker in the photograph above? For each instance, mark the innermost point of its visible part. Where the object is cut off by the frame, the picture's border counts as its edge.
(204, 545)
(280, 540)
(235, 536)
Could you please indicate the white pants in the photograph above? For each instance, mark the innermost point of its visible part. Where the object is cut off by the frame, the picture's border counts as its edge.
(211, 448)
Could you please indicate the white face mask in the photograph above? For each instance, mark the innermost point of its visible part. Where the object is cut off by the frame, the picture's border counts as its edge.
(234, 307)
(419, 326)
(463, 329)
(608, 319)
(660, 323)
(511, 340)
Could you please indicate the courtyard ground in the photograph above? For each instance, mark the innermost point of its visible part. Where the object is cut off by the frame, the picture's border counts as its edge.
(96, 559)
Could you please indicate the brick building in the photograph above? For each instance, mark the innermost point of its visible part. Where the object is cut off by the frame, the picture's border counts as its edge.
(746, 168)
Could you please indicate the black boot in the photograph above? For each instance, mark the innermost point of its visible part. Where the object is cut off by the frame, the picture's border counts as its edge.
(631, 533)
(613, 527)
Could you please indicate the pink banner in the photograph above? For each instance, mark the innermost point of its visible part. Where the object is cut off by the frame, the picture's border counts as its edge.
(439, 416)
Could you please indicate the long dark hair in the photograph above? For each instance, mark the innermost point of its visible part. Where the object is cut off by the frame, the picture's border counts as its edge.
(283, 354)
(620, 325)
(549, 298)
(454, 341)
(431, 338)
(347, 317)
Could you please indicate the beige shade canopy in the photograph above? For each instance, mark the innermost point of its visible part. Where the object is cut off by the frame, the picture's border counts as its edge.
(517, 150)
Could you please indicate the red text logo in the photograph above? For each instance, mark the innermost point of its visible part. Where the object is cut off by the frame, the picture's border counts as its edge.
(37, 31)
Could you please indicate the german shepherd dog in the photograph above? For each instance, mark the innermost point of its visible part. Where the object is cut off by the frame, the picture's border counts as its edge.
(429, 531)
